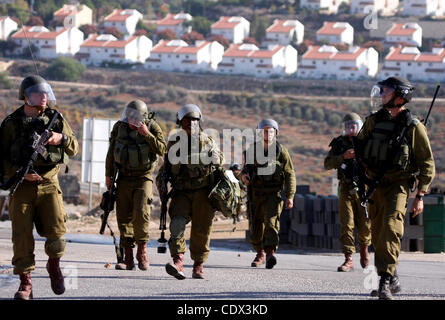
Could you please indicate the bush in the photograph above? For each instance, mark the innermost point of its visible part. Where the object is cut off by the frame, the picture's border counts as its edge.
(5, 83)
(65, 69)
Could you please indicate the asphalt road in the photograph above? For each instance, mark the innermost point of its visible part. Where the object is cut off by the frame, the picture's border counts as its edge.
(298, 275)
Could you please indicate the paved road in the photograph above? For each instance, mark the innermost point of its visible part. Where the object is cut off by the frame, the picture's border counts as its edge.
(298, 275)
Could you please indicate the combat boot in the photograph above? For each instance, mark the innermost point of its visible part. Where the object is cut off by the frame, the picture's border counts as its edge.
(177, 268)
(260, 259)
(394, 286)
(25, 288)
(364, 256)
(128, 263)
(384, 292)
(347, 265)
(56, 276)
(142, 257)
(198, 272)
(271, 260)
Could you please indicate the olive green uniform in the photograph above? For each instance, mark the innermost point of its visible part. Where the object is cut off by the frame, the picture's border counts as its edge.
(266, 199)
(136, 157)
(37, 203)
(191, 185)
(390, 199)
(349, 209)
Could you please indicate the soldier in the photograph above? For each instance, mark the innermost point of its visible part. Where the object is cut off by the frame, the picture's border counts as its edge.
(135, 142)
(399, 162)
(192, 179)
(341, 156)
(265, 202)
(38, 199)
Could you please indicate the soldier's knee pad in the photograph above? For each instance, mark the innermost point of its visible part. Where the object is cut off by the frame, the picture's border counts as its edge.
(55, 248)
(177, 226)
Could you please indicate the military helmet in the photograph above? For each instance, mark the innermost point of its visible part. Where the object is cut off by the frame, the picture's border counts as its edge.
(29, 82)
(189, 110)
(235, 166)
(352, 116)
(402, 87)
(138, 105)
(268, 123)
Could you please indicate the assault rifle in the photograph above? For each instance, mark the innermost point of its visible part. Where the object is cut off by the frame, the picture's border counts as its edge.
(395, 145)
(37, 147)
(107, 205)
(164, 195)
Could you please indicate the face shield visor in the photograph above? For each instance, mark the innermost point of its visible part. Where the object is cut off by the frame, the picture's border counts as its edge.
(133, 117)
(40, 94)
(380, 96)
(352, 127)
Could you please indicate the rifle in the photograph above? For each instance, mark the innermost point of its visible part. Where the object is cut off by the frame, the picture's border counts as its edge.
(107, 205)
(37, 147)
(164, 195)
(395, 146)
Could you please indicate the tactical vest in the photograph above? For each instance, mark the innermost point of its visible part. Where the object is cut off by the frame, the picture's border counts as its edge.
(20, 150)
(132, 151)
(274, 181)
(339, 145)
(381, 151)
(188, 176)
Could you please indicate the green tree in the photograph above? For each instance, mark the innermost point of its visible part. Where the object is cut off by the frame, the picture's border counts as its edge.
(258, 27)
(65, 69)
(200, 25)
(5, 83)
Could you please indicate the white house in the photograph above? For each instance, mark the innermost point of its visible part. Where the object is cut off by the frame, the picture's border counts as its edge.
(235, 29)
(284, 31)
(423, 7)
(248, 59)
(7, 25)
(123, 20)
(49, 44)
(324, 6)
(326, 62)
(336, 33)
(177, 55)
(74, 15)
(383, 7)
(410, 63)
(174, 22)
(408, 34)
(107, 48)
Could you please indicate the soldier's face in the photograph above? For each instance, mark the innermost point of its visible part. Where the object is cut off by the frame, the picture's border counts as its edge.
(37, 99)
(351, 129)
(190, 125)
(268, 134)
(387, 95)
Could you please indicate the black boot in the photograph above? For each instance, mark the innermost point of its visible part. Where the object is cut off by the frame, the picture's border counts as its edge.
(384, 291)
(394, 284)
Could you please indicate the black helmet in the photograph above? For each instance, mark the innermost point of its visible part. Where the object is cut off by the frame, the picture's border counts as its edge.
(402, 87)
(30, 82)
(235, 166)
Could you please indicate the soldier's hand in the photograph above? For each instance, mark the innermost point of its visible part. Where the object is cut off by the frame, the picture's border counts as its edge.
(143, 129)
(349, 154)
(55, 139)
(289, 204)
(32, 177)
(417, 207)
(108, 182)
(245, 178)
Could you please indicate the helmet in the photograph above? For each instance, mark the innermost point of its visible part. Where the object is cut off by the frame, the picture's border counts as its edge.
(189, 110)
(352, 116)
(235, 166)
(402, 87)
(35, 84)
(268, 123)
(135, 113)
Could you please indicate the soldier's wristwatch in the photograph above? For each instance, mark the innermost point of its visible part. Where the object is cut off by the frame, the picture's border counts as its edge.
(64, 139)
(419, 197)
